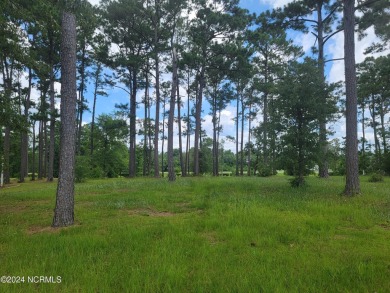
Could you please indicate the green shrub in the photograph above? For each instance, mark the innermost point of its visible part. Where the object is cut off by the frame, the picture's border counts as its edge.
(297, 182)
(376, 177)
(96, 172)
(82, 169)
(265, 171)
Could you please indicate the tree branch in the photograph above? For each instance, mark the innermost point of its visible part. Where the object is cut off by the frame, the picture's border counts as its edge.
(335, 59)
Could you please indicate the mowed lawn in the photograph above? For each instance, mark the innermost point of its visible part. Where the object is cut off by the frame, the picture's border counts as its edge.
(198, 235)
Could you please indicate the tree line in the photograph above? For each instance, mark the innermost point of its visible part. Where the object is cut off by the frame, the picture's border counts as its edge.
(215, 52)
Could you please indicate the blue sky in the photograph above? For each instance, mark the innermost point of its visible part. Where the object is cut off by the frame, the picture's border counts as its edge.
(334, 72)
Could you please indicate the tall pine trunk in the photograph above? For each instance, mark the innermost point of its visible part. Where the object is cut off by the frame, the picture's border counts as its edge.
(352, 184)
(6, 154)
(182, 168)
(24, 136)
(198, 119)
(64, 210)
(33, 152)
(171, 167)
(50, 170)
(133, 105)
(323, 144)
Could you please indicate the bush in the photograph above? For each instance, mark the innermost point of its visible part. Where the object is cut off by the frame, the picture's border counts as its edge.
(82, 169)
(265, 171)
(376, 177)
(96, 173)
(386, 163)
(297, 182)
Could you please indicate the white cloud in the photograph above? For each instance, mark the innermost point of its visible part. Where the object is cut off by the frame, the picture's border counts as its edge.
(94, 2)
(276, 3)
(336, 50)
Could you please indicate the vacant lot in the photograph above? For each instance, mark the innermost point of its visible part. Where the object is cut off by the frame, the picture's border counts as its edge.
(198, 235)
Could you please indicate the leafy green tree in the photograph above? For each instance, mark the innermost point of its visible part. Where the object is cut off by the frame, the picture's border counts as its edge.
(299, 108)
(87, 23)
(376, 14)
(110, 148)
(374, 93)
(273, 50)
(215, 23)
(125, 26)
(317, 17)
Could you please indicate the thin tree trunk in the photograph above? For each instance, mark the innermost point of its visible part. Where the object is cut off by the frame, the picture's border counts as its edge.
(188, 133)
(352, 184)
(133, 105)
(64, 210)
(363, 140)
(377, 146)
(265, 113)
(95, 93)
(182, 168)
(198, 120)
(50, 172)
(24, 138)
(158, 100)
(40, 150)
(146, 103)
(249, 140)
(323, 160)
(46, 153)
(237, 121)
(6, 154)
(171, 118)
(383, 130)
(163, 140)
(214, 120)
(242, 137)
(81, 104)
(33, 153)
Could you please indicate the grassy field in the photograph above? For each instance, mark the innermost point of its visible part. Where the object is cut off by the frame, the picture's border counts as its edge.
(198, 235)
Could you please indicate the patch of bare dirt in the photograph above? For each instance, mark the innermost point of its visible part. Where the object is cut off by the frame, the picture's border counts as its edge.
(211, 237)
(48, 229)
(150, 213)
(340, 237)
(22, 206)
(385, 226)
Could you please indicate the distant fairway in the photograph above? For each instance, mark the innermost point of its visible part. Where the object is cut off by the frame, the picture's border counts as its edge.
(207, 234)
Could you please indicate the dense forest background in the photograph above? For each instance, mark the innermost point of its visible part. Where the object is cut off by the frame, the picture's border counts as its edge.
(178, 60)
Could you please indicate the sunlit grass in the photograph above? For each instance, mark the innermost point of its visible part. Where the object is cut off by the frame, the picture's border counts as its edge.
(199, 235)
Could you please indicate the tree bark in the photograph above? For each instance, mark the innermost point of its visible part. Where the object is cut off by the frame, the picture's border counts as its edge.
(6, 153)
(352, 184)
(40, 150)
(95, 94)
(146, 122)
(157, 119)
(242, 137)
(24, 137)
(249, 140)
(64, 210)
(182, 168)
(237, 120)
(50, 170)
(33, 152)
(81, 94)
(323, 161)
(171, 167)
(133, 105)
(198, 118)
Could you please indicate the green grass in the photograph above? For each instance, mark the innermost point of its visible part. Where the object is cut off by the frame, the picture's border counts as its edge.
(199, 235)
